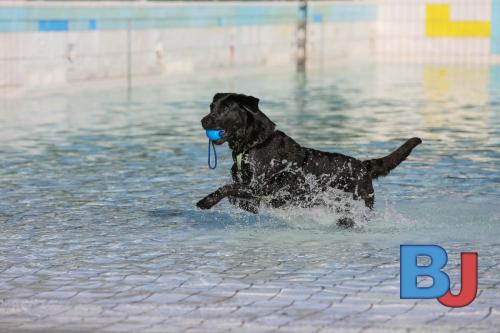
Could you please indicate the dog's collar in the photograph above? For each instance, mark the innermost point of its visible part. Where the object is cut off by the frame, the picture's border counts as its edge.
(239, 157)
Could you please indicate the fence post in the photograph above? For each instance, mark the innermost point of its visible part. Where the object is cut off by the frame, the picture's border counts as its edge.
(129, 57)
(302, 37)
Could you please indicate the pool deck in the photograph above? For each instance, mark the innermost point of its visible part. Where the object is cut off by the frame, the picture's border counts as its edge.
(241, 298)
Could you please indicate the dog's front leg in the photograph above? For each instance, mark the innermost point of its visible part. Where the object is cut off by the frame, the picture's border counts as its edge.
(249, 205)
(234, 190)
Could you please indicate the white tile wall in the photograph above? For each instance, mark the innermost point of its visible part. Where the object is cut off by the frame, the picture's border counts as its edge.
(401, 33)
(398, 35)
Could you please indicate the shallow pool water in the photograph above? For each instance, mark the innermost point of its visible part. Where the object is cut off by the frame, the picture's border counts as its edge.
(99, 229)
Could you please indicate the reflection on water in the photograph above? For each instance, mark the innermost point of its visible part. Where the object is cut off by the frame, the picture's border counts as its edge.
(90, 180)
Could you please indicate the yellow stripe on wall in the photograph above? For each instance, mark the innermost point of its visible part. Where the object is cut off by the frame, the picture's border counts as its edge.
(439, 24)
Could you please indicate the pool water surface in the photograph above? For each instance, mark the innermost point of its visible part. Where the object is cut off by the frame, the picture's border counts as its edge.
(99, 229)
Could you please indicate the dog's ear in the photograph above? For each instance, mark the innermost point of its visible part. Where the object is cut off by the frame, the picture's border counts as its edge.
(218, 96)
(259, 127)
(248, 102)
(263, 123)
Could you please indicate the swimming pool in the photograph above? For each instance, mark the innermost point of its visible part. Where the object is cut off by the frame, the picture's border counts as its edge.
(99, 230)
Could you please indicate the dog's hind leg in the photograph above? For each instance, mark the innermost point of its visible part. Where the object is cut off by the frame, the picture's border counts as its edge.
(367, 194)
(346, 219)
(345, 222)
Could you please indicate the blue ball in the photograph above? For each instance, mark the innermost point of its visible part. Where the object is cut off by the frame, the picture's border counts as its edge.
(215, 135)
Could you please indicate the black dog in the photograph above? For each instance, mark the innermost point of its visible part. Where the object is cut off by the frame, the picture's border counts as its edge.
(271, 168)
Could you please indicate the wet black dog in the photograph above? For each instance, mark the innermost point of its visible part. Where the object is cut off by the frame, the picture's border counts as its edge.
(272, 169)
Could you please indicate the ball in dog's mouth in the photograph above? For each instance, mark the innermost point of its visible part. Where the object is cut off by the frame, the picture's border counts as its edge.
(216, 135)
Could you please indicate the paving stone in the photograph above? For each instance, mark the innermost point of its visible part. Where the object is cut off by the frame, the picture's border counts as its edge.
(237, 296)
(166, 298)
(54, 295)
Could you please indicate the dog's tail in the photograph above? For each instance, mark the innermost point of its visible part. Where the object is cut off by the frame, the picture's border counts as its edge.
(382, 166)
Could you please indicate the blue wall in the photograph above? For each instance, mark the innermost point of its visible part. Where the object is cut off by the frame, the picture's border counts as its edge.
(343, 13)
(18, 19)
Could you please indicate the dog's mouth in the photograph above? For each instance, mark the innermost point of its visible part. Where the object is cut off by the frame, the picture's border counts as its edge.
(217, 136)
(222, 139)
(219, 142)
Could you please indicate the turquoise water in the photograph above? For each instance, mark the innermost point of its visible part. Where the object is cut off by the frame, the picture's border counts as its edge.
(100, 185)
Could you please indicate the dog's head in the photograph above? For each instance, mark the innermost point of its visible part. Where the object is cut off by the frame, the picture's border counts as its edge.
(239, 116)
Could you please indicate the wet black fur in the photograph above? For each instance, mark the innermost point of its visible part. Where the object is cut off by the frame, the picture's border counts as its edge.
(274, 167)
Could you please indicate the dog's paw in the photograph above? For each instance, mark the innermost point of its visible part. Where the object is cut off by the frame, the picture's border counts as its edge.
(204, 203)
(345, 222)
